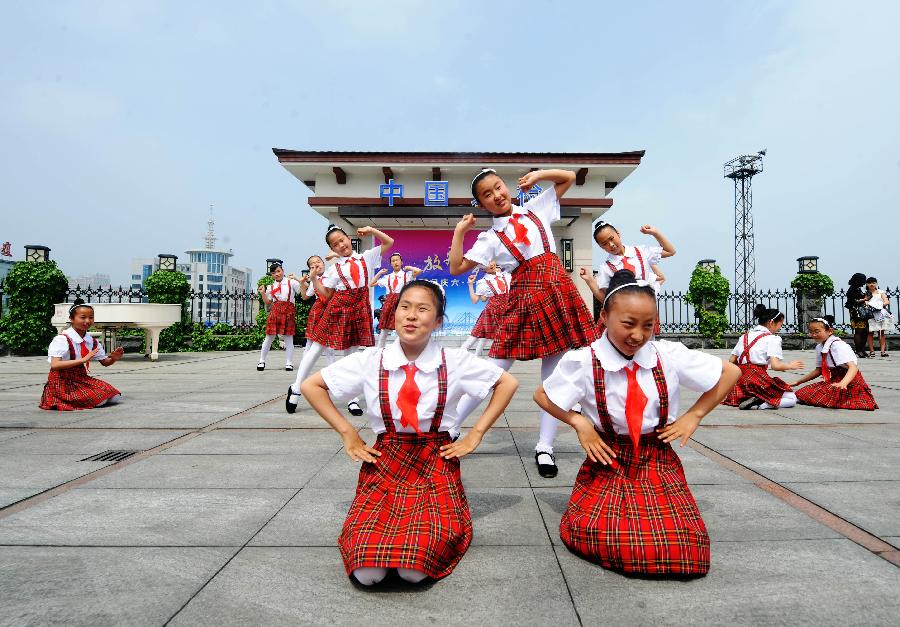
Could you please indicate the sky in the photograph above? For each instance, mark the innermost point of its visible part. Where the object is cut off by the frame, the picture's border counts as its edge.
(122, 122)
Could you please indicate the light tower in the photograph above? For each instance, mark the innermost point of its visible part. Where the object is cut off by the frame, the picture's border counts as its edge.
(741, 170)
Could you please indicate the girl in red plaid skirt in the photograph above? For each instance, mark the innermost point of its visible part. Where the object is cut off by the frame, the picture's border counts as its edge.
(493, 288)
(631, 509)
(282, 318)
(346, 322)
(545, 316)
(410, 511)
(756, 350)
(399, 276)
(70, 354)
(842, 385)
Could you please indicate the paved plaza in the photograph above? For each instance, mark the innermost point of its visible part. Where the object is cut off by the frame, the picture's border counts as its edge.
(231, 511)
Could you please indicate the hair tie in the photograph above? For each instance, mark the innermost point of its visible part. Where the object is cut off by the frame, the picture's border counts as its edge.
(638, 283)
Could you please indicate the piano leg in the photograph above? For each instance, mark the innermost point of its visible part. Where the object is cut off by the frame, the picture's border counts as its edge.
(151, 343)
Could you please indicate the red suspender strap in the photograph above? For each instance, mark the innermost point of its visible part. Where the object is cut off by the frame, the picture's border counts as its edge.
(342, 277)
(746, 354)
(71, 347)
(600, 393)
(365, 274)
(611, 267)
(510, 247)
(537, 222)
(364, 278)
(637, 251)
(384, 399)
(663, 390)
(442, 395)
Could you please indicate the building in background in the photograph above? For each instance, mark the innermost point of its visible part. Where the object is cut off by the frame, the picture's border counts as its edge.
(89, 280)
(141, 269)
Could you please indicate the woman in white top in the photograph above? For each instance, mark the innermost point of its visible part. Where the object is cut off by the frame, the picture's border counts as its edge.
(882, 321)
(70, 354)
(755, 351)
(410, 511)
(631, 508)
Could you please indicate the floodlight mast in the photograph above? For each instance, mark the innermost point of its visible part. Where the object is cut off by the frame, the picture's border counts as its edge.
(741, 170)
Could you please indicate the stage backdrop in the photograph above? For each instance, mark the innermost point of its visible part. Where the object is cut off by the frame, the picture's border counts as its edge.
(428, 250)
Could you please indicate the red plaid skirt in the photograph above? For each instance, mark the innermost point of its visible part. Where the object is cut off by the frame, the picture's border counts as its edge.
(755, 381)
(410, 509)
(638, 517)
(544, 314)
(858, 394)
(388, 308)
(315, 315)
(74, 388)
(488, 322)
(282, 319)
(346, 321)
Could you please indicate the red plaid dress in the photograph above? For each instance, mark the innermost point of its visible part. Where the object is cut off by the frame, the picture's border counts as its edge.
(74, 388)
(410, 509)
(347, 319)
(857, 394)
(636, 515)
(755, 381)
(488, 322)
(544, 313)
(315, 314)
(388, 309)
(637, 251)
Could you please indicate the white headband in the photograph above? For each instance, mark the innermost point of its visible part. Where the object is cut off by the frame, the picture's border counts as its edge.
(823, 321)
(638, 283)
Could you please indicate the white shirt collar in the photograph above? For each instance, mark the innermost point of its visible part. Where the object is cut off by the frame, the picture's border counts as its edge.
(73, 335)
(352, 256)
(393, 358)
(613, 361)
(826, 345)
(616, 258)
(760, 328)
(498, 223)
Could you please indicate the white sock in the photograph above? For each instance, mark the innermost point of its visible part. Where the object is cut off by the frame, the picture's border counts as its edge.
(549, 424)
(267, 344)
(411, 574)
(368, 576)
(383, 337)
(479, 346)
(544, 459)
(470, 341)
(289, 350)
(310, 355)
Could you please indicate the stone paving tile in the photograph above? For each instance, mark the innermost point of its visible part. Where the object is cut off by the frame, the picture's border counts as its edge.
(24, 470)
(217, 471)
(100, 585)
(89, 517)
(813, 465)
(8, 496)
(871, 505)
(257, 442)
(9, 434)
(309, 586)
(777, 437)
(812, 582)
(86, 442)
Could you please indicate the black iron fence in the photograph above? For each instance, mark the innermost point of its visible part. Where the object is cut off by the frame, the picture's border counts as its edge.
(677, 316)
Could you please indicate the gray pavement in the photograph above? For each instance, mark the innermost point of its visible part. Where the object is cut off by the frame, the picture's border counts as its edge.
(230, 514)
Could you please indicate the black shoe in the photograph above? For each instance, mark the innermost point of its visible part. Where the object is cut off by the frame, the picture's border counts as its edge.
(261, 366)
(290, 406)
(354, 408)
(548, 471)
(750, 403)
(289, 368)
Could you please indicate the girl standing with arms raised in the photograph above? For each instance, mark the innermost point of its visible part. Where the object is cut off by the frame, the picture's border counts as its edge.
(346, 322)
(393, 282)
(410, 510)
(493, 288)
(631, 509)
(282, 318)
(545, 315)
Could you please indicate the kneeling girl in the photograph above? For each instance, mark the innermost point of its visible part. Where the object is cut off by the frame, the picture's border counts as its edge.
(410, 511)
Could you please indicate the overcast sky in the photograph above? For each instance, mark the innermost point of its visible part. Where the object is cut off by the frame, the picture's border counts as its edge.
(121, 122)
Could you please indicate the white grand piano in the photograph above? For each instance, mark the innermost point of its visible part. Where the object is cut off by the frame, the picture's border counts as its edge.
(150, 317)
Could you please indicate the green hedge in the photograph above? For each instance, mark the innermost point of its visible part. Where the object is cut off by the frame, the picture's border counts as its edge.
(708, 293)
(33, 287)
